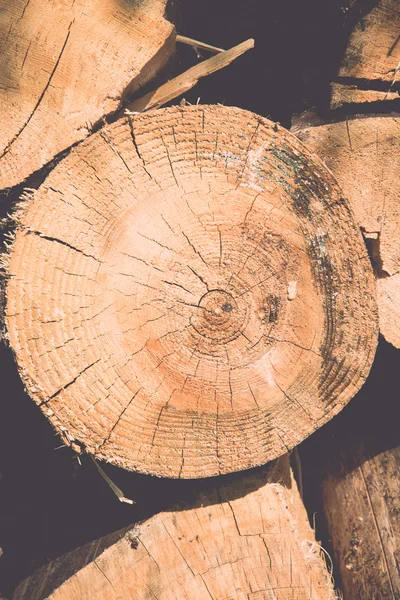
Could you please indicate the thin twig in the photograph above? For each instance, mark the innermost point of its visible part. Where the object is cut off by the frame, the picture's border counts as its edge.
(184, 82)
(196, 44)
(117, 491)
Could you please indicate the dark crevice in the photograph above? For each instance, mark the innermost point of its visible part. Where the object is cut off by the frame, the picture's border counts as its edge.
(376, 85)
(62, 243)
(67, 385)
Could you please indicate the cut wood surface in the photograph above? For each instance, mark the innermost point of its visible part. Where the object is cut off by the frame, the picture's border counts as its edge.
(247, 538)
(364, 155)
(64, 65)
(373, 50)
(342, 94)
(189, 294)
(388, 291)
(372, 56)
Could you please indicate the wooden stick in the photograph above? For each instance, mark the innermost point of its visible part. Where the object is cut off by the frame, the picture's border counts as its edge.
(184, 82)
(196, 44)
(117, 491)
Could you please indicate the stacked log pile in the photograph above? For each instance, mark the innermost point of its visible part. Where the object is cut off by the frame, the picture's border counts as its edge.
(360, 452)
(191, 293)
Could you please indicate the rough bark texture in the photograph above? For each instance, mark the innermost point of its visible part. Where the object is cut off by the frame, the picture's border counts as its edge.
(372, 56)
(66, 64)
(364, 155)
(189, 294)
(246, 538)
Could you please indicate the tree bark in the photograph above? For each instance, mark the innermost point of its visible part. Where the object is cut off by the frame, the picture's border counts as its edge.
(189, 294)
(363, 154)
(245, 537)
(371, 61)
(64, 66)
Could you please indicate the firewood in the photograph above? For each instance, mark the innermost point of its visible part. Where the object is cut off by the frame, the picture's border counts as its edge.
(189, 294)
(358, 458)
(64, 66)
(370, 65)
(342, 94)
(363, 154)
(246, 538)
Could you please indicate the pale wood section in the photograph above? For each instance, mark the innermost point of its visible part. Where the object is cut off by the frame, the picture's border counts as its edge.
(64, 65)
(197, 299)
(372, 55)
(342, 94)
(244, 538)
(184, 82)
(364, 155)
(388, 290)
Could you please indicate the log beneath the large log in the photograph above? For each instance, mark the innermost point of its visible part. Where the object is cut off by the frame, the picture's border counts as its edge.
(371, 61)
(64, 66)
(363, 152)
(244, 537)
(189, 294)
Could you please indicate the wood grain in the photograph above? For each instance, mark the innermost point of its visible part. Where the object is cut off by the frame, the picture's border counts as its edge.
(371, 61)
(65, 65)
(197, 299)
(364, 155)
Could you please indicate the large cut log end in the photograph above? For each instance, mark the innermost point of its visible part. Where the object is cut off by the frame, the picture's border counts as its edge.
(189, 294)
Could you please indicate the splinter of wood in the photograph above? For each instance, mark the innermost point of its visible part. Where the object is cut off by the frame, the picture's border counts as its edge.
(184, 82)
(196, 44)
(117, 491)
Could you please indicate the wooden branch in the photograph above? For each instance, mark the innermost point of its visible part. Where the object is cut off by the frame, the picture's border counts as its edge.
(196, 44)
(184, 82)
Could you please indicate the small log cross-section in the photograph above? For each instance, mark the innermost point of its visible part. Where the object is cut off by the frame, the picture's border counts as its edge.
(189, 294)
(64, 65)
(246, 539)
(364, 155)
(370, 67)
